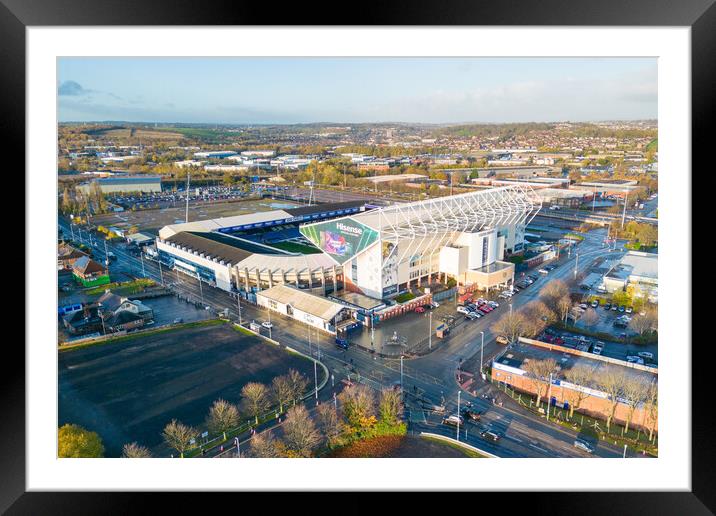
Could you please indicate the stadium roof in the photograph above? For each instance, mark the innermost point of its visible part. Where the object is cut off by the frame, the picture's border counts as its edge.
(129, 180)
(210, 248)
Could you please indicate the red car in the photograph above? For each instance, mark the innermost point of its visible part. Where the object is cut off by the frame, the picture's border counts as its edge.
(419, 310)
(559, 341)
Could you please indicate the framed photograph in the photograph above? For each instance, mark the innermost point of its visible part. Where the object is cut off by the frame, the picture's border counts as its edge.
(345, 256)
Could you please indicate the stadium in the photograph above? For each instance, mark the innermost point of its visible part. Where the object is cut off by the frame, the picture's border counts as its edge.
(375, 252)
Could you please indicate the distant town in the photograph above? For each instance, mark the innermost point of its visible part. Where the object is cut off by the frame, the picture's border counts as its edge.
(358, 290)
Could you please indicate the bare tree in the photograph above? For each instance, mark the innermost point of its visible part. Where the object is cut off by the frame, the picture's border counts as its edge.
(590, 318)
(563, 305)
(644, 323)
(552, 292)
(255, 399)
(583, 376)
(539, 373)
(178, 436)
(282, 390)
(300, 433)
(612, 381)
(652, 407)
(635, 391)
(135, 451)
(511, 325)
(390, 406)
(298, 384)
(330, 423)
(223, 416)
(538, 317)
(264, 446)
(358, 405)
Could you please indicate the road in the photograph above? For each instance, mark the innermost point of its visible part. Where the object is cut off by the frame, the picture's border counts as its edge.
(525, 435)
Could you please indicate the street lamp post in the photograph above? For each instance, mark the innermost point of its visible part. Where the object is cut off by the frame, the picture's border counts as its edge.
(141, 257)
(482, 347)
(458, 415)
(315, 377)
(430, 331)
(401, 373)
(576, 265)
(161, 276)
(201, 289)
(238, 302)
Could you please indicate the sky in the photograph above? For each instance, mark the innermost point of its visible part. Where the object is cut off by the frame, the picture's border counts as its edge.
(356, 90)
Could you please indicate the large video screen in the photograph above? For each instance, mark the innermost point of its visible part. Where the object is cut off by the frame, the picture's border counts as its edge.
(341, 239)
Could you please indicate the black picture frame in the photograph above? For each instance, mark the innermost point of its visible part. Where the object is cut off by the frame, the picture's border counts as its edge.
(16, 15)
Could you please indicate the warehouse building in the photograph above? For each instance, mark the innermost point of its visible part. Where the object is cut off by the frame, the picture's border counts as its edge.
(125, 184)
(637, 271)
(509, 368)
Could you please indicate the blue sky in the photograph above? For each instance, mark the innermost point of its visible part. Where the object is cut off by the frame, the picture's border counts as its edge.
(301, 90)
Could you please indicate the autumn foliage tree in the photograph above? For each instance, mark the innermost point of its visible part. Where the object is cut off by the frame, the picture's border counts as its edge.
(73, 441)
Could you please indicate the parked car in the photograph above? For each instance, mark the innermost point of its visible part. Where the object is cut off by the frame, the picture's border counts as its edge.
(583, 445)
(463, 310)
(435, 304)
(543, 271)
(629, 309)
(598, 348)
(178, 320)
(472, 316)
(420, 310)
(501, 339)
(595, 303)
(646, 354)
(635, 359)
(267, 325)
(614, 308)
(622, 308)
(583, 306)
(607, 306)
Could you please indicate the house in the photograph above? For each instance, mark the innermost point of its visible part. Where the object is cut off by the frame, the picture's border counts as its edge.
(112, 305)
(123, 321)
(89, 273)
(67, 256)
(84, 321)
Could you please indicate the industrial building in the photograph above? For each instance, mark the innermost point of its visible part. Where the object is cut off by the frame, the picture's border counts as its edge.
(509, 368)
(637, 271)
(124, 184)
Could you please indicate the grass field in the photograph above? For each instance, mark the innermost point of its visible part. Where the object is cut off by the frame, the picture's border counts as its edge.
(294, 247)
(130, 389)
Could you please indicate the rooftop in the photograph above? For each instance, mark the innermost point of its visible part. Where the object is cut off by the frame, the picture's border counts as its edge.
(211, 248)
(639, 264)
(314, 305)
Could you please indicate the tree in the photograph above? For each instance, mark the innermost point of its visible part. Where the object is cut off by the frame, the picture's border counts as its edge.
(135, 451)
(512, 325)
(282, 389)
(644, 323)
(612, 382)
(178, 436)
(300, 433)
(223, 416)
(264, 446)
(590, 318)
(538, 316)
(539, 373)
(635, 391)
(73, 441)
(329, 422)
(390, 406)
(563, 304)
(552, 293)
(652, 407)
(255, 399)
(583, 376)
(298, 384)
(358, 406)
